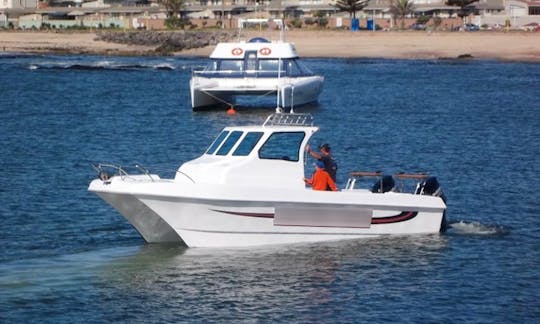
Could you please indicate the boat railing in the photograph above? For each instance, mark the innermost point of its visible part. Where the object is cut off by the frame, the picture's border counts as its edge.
(107, 171)
(247, 73)
(236, 74)
(289, 119)
(197, 69)
(399, 182)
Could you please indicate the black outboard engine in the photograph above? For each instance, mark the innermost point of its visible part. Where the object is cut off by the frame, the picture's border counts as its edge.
(430, 186)
(385, 184)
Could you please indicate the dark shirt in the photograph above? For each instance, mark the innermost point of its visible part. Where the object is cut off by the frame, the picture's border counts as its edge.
(330, 165)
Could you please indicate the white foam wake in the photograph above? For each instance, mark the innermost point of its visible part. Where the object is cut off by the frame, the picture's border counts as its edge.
(476, 228)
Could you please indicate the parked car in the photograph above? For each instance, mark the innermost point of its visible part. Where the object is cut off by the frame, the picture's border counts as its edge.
(418, 26)
(531, 27)
(471, 27)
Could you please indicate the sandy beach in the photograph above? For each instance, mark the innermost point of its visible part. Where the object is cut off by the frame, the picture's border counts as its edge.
(514, 46)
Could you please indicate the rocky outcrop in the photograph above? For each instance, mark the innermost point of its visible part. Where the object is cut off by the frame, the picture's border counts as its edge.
(167, 42)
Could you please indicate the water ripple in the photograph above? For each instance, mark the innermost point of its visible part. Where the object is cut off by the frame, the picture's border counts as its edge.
(65, 255)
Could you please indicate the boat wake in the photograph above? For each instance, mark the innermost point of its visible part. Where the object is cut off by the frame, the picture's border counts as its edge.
(476, 229)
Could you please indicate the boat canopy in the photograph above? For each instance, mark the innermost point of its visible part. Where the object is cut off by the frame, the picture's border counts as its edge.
(271, 153)
(263, 49)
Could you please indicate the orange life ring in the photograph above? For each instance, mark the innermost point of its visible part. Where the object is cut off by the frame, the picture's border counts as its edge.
(237, 51)
(265, 51)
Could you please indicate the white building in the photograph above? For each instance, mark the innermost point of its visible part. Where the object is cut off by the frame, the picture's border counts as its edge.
(18, 4)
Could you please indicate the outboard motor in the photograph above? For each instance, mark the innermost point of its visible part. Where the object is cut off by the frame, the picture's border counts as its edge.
(385, 184)
(430, 186)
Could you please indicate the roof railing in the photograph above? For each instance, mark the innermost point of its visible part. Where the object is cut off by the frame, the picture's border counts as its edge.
(282, 119)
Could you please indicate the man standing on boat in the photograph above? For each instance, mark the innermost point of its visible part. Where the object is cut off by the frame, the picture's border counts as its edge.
(326, 157)
(321, 180)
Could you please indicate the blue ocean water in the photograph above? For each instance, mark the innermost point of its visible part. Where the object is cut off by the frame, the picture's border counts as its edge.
(66, 256)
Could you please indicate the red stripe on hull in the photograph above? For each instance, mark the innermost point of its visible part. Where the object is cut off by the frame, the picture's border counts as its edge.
(402, 217)
(263, 215)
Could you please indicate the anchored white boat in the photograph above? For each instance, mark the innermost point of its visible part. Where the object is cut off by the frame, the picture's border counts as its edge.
(257, 67)
(248, 189)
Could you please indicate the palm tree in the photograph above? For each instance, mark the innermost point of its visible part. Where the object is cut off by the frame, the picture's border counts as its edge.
(462, 4)
(174, 13)
(351, 6)
(173, 7)
(401, 9)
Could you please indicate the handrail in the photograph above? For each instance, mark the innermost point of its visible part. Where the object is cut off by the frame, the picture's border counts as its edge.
(249, 73)
(416, 176)
(185, 175)
(145, 171)
(99, 168)
(366, 174)
(290, 119)
(402, 177)
(120, 170)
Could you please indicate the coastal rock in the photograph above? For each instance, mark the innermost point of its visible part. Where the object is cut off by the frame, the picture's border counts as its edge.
(167, 42)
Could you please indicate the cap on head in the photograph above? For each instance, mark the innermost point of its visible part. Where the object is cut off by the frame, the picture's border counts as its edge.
(325, 146)
(320, 164)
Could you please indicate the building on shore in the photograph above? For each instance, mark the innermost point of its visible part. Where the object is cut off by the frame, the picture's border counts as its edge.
(145, 14)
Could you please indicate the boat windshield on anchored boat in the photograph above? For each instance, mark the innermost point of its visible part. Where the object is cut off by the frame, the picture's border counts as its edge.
(247, 189)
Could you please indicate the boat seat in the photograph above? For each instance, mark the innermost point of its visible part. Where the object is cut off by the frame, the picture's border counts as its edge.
(430, 186)
(385, 184)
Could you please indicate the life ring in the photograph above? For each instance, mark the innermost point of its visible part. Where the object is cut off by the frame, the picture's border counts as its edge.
(237, 51)
(265, 51)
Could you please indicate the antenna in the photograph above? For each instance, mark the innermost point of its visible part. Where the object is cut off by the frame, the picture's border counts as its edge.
(279, 109)
(292, 98)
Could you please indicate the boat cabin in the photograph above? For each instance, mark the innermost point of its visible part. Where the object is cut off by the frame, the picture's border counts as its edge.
(256, 58)
(271, 155)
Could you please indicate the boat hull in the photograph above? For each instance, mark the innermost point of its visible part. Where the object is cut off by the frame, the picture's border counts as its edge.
(150, 225)
(220, 218)
(218, 226)
(207, 92)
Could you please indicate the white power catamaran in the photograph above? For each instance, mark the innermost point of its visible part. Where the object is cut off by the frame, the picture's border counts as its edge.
(258, 67)
(247, 189)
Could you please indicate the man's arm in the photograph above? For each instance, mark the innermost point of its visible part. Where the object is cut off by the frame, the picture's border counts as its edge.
(331, 183)
(313, 153)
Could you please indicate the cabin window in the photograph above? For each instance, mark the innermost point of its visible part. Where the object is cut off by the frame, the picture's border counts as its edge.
(212, 66)
(229, 143)
(297, 68)
(251, 61)
(217, 142)
(231, 65)
(282, 146)
(270, 65)
(248, 143)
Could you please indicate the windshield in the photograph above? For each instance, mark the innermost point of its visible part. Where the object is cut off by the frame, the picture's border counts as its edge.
(282, 146)
(253, 66)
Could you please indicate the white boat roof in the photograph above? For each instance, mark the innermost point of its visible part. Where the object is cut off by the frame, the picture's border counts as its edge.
(272, 153)
(264, 48)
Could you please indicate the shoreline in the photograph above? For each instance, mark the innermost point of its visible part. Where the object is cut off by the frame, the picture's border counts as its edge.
(512, 46)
